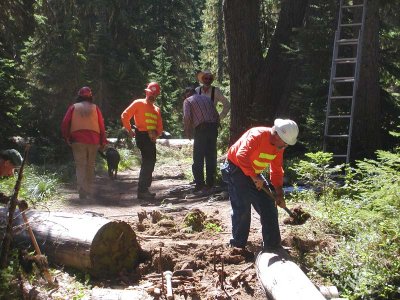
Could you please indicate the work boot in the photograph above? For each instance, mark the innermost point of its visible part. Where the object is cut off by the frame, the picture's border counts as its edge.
(198, 188)
(146, 195)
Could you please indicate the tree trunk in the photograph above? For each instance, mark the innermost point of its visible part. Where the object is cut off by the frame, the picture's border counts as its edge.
(279, 63)
(244, 59)
(258, 85)
(220, 38)
(92, 244)
(283, 279)
(367, 114)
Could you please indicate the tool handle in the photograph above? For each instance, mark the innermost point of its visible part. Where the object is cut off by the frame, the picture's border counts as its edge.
(269, 193)
(289, 212)
(36, 246)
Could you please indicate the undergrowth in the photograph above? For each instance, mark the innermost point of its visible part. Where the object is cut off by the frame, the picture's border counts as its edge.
(359, 217)
(362, 216)
(37, 186)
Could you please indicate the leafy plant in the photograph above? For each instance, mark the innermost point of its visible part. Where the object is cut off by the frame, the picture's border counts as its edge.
(213, 227)
(8, 279)
(317, 172)
(365, 264)
(35, 187)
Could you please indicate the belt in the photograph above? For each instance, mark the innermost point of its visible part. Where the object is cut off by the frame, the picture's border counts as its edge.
(206, 125)
(141, 132)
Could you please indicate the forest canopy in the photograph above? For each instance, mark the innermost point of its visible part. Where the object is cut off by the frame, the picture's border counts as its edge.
(49, 49)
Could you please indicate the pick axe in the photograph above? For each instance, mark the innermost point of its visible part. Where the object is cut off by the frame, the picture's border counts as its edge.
(269, 193)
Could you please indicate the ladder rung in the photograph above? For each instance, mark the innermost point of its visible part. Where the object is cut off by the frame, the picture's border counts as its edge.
(349, 60)
(341, 97)
(350, 24)
(353, 6)
(339, 155)
(343, 79)
(338, 135)
(348, 42)
(339, 116)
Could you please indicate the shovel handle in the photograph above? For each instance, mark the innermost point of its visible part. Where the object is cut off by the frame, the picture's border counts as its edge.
(269, 193)
(289, 212)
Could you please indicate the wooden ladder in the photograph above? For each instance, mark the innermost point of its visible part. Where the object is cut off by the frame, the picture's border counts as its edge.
(343, 81)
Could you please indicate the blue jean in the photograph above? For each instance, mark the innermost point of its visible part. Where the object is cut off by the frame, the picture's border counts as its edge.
(243, 194)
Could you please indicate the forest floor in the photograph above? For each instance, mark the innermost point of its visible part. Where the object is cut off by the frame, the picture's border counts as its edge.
(163, 229)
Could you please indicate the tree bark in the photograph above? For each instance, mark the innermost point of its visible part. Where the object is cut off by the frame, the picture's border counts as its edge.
(279, 63)
(258, 84)
(220, 38)
(92, 244)
(367, 111)
(244, 59)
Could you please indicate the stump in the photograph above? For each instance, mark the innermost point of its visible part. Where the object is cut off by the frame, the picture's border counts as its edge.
(92, 244)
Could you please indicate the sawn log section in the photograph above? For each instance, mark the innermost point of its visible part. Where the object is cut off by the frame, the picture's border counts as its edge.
(97, 245)
(282, 279)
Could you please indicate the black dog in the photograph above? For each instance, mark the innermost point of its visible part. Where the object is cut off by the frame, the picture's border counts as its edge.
(112, 157)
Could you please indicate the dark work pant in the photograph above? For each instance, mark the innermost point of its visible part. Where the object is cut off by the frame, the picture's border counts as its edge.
(243, 194)
(205, 147)
(148, 151)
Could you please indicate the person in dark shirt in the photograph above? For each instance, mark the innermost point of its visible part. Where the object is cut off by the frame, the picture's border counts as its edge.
(201, 121)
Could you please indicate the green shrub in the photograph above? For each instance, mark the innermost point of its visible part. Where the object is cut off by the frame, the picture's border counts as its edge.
(317, 172)
(365, 220)
(36, 186)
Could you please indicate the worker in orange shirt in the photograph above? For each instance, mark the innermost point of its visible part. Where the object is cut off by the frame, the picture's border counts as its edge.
(256, 149)
(148, 127)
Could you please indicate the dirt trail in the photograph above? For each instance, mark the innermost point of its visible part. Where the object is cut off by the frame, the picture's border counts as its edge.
(182, 248)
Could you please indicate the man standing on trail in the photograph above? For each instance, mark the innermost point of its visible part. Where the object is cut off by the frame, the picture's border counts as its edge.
(148, 127)
(206, 78)
(83, 130)
(246, 159)
(200, 116)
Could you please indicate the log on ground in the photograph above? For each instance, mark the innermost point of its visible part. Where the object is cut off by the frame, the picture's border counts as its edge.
(92, 244)
(282, 279)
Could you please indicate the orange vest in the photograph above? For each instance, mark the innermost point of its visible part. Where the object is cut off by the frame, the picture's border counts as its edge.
(85, 117)
(147, 116)
(253, 152)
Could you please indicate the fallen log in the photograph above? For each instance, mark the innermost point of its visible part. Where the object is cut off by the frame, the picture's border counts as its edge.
(282, 279)
(112, 294)
(175, 142)
(88, 243)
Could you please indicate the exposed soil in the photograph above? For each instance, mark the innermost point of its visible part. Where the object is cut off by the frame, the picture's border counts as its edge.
(170, 243)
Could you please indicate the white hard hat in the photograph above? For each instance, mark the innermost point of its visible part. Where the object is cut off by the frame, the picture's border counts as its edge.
(287, 130)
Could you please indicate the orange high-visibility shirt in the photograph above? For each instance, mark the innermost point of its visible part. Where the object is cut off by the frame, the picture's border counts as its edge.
(147, 116)
(253, 152)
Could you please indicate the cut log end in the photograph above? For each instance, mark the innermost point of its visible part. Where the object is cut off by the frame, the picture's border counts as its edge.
(114, 248)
